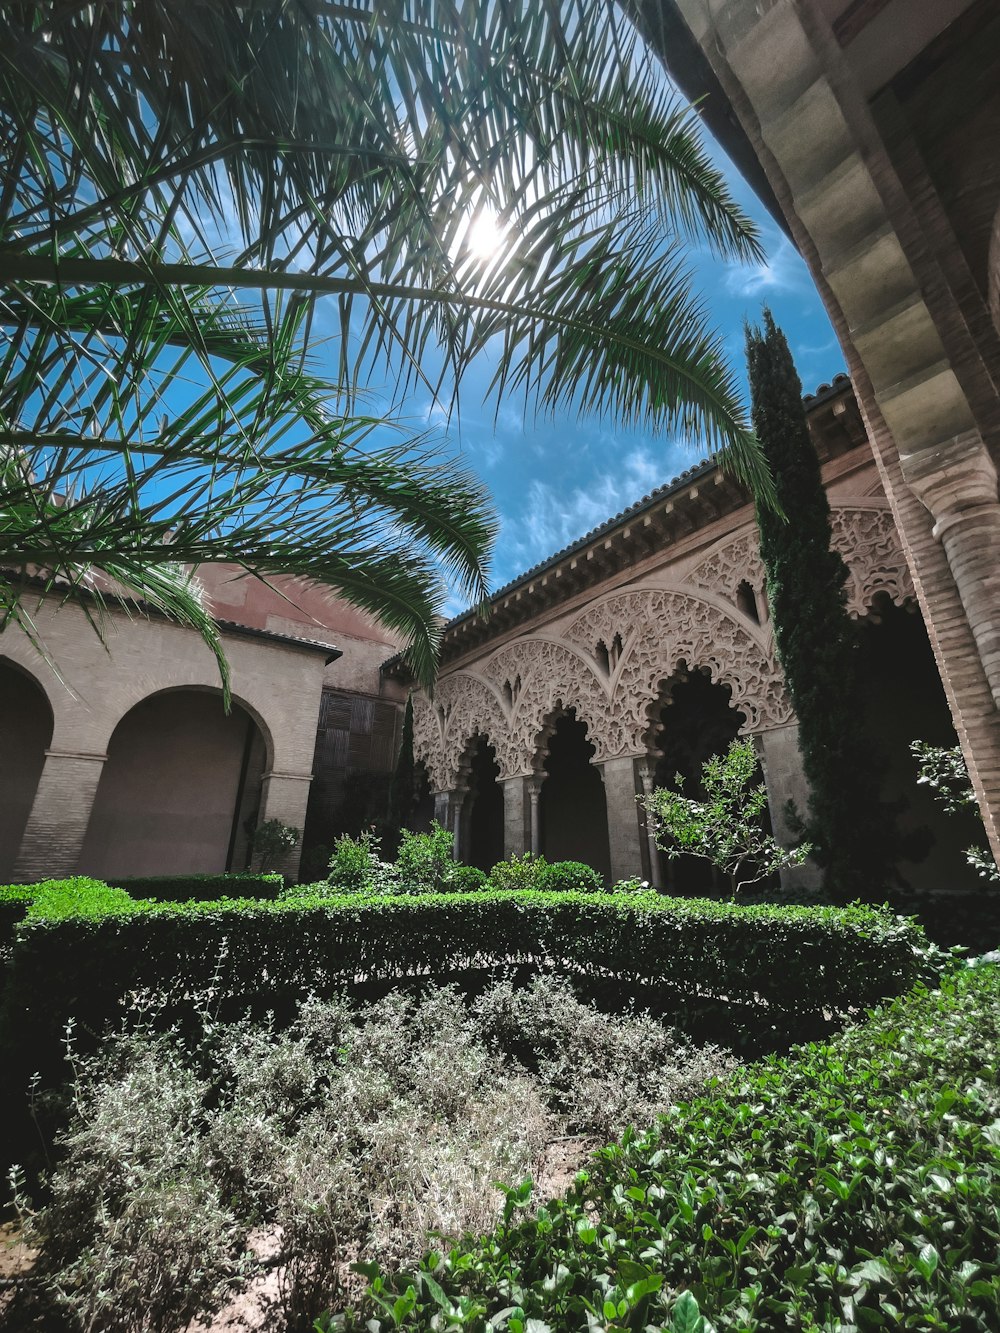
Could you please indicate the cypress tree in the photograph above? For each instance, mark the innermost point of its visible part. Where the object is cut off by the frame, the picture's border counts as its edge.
(816, 640)
(401, 787)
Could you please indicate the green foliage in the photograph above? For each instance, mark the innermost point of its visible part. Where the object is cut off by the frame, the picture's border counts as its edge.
(273, 838)
(83, 950)
(426, 860)
(354, 1132)
(466, 879)
(569, 877)
(354, 864)
(851, 1185)
(727, 827)
(944, 771)
(816, 641)
(515, 872)
(175, 888)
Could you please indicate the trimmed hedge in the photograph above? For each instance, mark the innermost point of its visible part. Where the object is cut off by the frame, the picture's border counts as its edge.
(184, 888)
(83, 949)
(850, 1186)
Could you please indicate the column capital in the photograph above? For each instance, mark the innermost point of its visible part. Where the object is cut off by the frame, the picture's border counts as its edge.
(647, 773)
(955, 477)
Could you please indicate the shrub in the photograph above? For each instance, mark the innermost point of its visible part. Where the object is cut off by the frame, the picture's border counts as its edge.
(354, 863)
(353, 1135)
(178, 888)
(426, 860)
(273, 838)
(569, 877)
(85, 950)
(851, 1185)
(466, 879)
(518, 872)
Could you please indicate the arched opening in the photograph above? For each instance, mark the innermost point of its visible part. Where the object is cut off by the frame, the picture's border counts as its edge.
(180, 792)
(696, 721)
(572, 805)
(25, 735)
(482, 812)
(904, 701)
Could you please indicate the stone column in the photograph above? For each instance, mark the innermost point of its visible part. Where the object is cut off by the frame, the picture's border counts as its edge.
(623, 817)
(516, 826)
(647, 776)
(54, 834)
(535, 820)
(448, 813)
(285, 796)
(785, 780)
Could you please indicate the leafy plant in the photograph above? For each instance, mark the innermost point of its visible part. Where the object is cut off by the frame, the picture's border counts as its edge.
(355, 863)
(569, 877)
(426, 860)
(849, 1185)
(727, 827)
(944, 771)
(272, 839)
(518, 872)
(293, 153)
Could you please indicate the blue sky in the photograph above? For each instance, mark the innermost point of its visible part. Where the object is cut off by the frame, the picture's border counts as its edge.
(553, 479)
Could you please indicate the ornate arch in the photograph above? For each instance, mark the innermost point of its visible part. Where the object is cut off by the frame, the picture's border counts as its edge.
(463, 706)
(667, 626)
(541, 678)
(866, 537)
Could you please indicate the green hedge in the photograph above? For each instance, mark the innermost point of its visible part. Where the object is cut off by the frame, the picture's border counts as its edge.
(83, 948)
(850, 1186)
(183, 888)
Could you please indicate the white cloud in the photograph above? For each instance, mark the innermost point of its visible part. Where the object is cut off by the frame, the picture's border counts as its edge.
(781, 270)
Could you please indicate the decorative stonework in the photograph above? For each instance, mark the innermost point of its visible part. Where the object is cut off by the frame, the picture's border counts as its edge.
(666, 628)
(866, 538)
(870, 545)
(462, 707)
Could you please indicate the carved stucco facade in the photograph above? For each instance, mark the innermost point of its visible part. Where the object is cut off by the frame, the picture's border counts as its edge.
(695, 602)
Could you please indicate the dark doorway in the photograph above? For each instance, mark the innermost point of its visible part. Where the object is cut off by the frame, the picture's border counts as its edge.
(483, 809)
(697, 722)
(25, 734)
(904, 701)
(574, 812)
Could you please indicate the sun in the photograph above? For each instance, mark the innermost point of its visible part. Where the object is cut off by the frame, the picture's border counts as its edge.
(486, 235)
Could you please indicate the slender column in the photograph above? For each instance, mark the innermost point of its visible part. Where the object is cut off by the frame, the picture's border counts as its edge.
(448, 813)
(516, 829)
(54, 834)
(785, 781)
(534, 796)
(624, 833)
(647, 776)
(285, 796)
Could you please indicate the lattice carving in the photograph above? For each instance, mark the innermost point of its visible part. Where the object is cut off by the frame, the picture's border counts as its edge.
(552, 678)
(865, 537)
(869, 542)
(463, 706)
(667, 627)
(728, 566)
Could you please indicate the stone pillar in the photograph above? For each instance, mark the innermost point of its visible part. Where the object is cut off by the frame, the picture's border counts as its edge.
(60, 813)
(448, 813)
(647, 776)
(623, 818)
(285, 796)
(535, 819)
(785, 780)
(516, 825)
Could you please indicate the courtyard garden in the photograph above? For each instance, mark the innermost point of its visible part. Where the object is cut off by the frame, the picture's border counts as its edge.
(413, 1095)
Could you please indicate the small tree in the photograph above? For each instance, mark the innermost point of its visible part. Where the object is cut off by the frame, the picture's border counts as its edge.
(816, 641)
(271, 839)
(944, 771)
(727, 827)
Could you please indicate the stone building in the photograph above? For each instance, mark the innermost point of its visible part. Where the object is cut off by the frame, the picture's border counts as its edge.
(118, 758)
(645, 647)
(873, 128)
